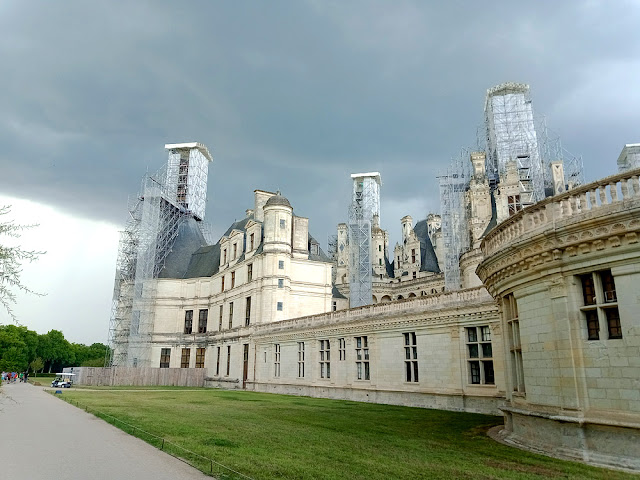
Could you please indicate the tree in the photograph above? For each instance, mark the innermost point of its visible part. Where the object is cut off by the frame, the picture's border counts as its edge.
(36, 364)
(11, 260)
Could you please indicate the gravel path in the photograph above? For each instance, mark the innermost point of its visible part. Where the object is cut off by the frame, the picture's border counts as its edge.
(42, 437)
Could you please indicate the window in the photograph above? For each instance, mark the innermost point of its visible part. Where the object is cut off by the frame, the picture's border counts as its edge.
(413, 255)
(222, 288)
(514, 204)
(233, 279)
(362, 358)
(230, 315)
(251, 239)
(235, 250)
(379, 261)
(224, 255)
(203, 317)
(300, 359)
(165, 356)
(415, 275)
(279, 306)
(325, 359)
(247, 313)
(283, 223)
(510, 312)
(342, 349)
(188, 321)
(220, 320)
(218, 362)
(276, 362)
(281, 283)
(281, 264)
(228, 359)
(410, 357)
(249, 272)
(379, 248)
(480, 355)
(600, 304)
(200, 357)
(184, 360)
(334, 306)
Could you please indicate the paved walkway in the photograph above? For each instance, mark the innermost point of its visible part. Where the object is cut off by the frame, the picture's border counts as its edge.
(42, 437)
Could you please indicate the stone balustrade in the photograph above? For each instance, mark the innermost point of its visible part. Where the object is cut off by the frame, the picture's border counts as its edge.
(591, 199)
(432, 302)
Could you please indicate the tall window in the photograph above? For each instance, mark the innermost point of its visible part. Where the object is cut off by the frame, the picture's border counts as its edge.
(480, 355)
(184, 360)
(362, 358)
(281, 264)
(510, 311)
(230, 315)
(188, 321)
(165, 357)
(342, 349)
(251, 240)
(222, 287)
(224, 254)
(283, 223)
(276, 363)
(247, 313)
(279, 306)
(334, 306)
(410, 357)
(203, 317)
(413, 255)
(233, 279)
(235, 250)
(600, 304)
(300, 359)
(325, 359)
(218, 362)
(249, 272)
(228, 359)
(281, 283)
(200, 357)
(220, 319)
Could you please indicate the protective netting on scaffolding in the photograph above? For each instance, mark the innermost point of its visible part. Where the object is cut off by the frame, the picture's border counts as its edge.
(166, 198)
(514, 132)
(453, 185)
(365, 203)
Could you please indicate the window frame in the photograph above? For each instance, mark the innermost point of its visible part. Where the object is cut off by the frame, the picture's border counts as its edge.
(599, 305)
(363, 367)
(325, 358)
(411, 357)
(165, 357)
(203, 320)
(188, 322)
(200, 355)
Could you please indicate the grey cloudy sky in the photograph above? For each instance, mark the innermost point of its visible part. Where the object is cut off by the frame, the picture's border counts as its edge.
(295, 95)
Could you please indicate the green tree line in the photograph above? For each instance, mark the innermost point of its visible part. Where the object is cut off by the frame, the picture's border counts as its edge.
(22, 349)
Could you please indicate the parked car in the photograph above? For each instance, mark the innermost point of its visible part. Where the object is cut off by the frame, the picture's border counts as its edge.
(63, 380)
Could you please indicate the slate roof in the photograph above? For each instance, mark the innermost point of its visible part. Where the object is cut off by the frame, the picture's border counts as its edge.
(192, 258)
(428, 259)
(335, 293)
(494, 216)
(189, 240)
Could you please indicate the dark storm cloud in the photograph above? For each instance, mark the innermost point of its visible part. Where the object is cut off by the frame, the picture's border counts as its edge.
(296, 95)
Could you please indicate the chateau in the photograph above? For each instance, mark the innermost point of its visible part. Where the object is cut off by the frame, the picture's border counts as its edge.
(520, 299)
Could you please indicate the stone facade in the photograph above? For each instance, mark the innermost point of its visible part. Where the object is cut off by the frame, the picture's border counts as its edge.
(565, 272)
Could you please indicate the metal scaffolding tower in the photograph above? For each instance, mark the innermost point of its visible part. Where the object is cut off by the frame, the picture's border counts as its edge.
(365, 203)
(176, 192)
(455, 231)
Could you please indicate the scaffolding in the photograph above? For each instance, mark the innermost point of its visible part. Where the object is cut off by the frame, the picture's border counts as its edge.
(513, 132)
(165, 201)
(455, 231)
(365, 203)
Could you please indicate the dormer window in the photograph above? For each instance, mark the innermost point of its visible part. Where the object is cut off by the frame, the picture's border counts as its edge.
(235, 250)
(224, 256)
(251, 238)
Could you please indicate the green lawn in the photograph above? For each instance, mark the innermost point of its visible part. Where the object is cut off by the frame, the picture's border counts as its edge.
(268, 436)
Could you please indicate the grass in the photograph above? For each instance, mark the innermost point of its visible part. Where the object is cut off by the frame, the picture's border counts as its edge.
(270, 436)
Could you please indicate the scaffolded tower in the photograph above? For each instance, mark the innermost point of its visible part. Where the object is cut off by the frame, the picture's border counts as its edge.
(365, 203)
(511, 136)
(455, 236)
(177, 192)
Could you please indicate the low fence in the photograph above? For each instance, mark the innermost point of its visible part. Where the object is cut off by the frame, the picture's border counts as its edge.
(138, 376)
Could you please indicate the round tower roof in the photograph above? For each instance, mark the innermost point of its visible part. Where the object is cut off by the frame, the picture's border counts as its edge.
(277, 199)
